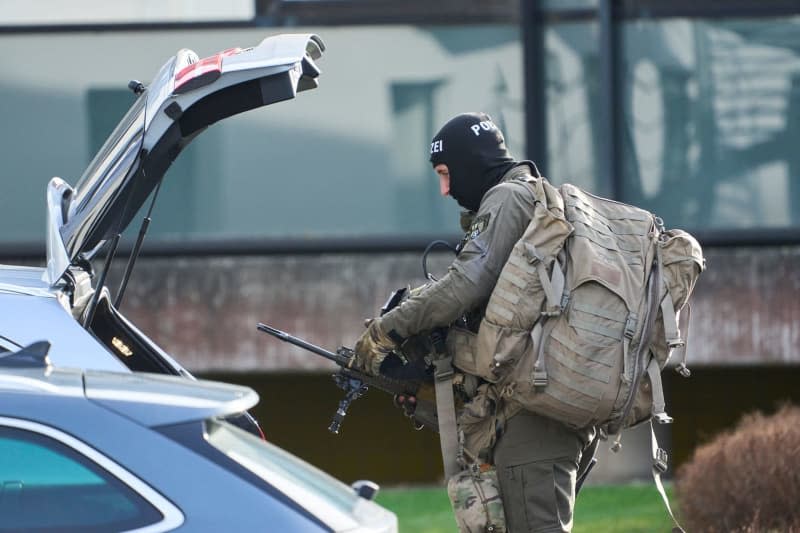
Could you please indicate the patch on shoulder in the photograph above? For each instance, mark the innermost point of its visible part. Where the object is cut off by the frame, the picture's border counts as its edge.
(478, 225)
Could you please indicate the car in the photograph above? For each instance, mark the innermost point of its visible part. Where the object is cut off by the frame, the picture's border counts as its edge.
(67, 302)
(97, 450)
(100, 428)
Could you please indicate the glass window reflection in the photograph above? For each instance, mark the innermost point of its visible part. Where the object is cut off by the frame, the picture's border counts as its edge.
(46, 486)
(573, 118)
(566, 5)
(709, 120)
(349, 159)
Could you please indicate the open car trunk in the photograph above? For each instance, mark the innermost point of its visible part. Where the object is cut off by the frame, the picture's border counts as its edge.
(186, 96)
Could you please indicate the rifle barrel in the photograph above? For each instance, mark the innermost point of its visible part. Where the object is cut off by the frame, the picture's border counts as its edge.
(282, 335)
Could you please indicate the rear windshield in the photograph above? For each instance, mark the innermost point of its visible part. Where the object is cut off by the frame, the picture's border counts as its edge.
(113, 161)
(307, 485)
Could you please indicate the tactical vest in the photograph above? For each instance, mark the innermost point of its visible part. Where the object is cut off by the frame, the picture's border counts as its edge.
(583, 317)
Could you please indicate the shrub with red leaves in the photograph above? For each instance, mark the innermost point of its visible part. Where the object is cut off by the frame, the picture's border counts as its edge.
(746, 480)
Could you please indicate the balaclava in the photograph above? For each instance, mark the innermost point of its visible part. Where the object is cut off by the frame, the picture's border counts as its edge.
(475, 153)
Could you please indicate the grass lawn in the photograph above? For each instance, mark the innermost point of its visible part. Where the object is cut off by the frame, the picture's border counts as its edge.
(599, 509)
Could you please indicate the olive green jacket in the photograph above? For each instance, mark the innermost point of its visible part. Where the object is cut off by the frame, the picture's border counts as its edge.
(504, 213)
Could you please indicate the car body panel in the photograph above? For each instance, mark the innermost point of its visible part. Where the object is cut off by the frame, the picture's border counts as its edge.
(24, 280)
(61, 382)
(36, 318)
(157, 400)
(209, 496)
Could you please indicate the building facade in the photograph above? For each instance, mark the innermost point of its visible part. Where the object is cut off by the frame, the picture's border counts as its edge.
(307, 214)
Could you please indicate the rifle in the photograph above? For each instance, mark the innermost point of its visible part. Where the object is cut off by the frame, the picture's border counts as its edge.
(356, 383)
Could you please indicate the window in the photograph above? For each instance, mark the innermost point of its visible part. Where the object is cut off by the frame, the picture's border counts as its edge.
(7, 345)
(46, 486)
(304, 12)
(688, 109)
(710, 117)
(329, 499)
(349, 159)
(573, 113)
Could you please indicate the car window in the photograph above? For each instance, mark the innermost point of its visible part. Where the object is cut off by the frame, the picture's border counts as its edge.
(46, 486)
(7, 346)
(300, 481)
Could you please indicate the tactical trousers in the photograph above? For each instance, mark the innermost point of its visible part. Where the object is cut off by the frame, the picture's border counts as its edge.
(537, 462)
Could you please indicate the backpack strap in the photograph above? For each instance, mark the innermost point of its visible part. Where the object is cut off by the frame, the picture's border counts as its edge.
(680, 352)
(539, 378)
(552, 284)
(446, 414)
(674, 324)
(631, 323)
(660, 459)
(556, 298)
(671, 329)
(654, 373)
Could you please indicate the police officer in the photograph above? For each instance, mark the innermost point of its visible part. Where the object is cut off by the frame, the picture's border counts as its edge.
(536, 458)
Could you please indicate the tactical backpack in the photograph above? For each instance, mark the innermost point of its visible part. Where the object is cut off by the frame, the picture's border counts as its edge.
(584, 315)
(585, 308)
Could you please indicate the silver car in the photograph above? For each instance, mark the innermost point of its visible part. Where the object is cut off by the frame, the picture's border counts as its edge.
(67, 302)
(128, 440)
(90, 451)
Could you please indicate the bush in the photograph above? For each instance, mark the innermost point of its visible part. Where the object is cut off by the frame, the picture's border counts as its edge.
(745, 480)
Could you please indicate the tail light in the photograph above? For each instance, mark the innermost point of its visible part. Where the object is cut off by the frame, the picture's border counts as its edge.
(201, 73)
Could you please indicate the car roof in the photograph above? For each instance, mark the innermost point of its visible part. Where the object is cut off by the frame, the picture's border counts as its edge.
(24, 280)
(31, 313)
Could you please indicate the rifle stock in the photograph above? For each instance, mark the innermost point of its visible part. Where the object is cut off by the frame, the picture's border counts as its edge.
(355, 383)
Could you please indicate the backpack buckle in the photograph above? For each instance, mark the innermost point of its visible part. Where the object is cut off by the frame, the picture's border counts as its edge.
(551, 311)
(683, 370)
(539, 378)
(675, 343)
(663, 418)
(630, 325)
(443, 368)
(661, 461)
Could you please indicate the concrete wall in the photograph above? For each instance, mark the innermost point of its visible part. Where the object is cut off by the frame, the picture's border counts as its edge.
(204, 310)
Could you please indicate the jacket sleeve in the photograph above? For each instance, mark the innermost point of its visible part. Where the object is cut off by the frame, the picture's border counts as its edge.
(503, 215)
